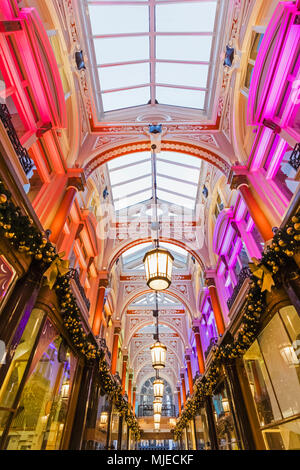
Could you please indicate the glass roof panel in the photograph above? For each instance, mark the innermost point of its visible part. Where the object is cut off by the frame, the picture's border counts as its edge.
(182, 159)
(124, 76)
(121, 33)
(132, 200)
(194, 48)
(181, 17)
(130, 172)
(130, 159)
(125, 98)
(125, 49)
(174, 199)
(192, 75)
(119, 19)
(180, 97)
(122, 190)
(166, 183)
(180, 172)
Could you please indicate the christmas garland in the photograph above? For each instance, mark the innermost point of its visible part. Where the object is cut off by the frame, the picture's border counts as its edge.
(24, 237)
(285, 245)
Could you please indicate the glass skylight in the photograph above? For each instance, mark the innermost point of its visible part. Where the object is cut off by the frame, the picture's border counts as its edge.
(177, 179)
(140, 46)
(133, 258)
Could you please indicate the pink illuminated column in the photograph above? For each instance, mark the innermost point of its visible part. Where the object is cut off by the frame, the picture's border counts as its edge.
(216, 305)
(189, 372)
(74, 185)
(99, 306)
(114, 356)
(183, 388)
(241, 183)
(179, 400)
(200, 357)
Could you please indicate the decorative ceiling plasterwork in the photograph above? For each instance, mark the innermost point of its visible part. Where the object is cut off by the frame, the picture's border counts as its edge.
(132, 291)
(171, 146)
(134, 323)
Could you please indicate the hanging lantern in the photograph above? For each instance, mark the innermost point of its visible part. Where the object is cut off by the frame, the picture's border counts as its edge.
(158, 353)
(158, 266)
(104, 418)
(157, 405)
(156, 417)
(158, 386)
(225, 404)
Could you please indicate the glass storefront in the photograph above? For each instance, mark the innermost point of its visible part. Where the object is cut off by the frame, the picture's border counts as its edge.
(273, 371)
(114, 428)
(202, 431)
(34, 397)
(226, 433)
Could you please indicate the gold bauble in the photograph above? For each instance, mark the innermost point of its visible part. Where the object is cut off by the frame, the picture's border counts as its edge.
(297, 227)
(38, 256)
(295, 219)
(3, 198)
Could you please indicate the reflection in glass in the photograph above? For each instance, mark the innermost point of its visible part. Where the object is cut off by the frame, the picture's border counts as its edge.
(40, 419)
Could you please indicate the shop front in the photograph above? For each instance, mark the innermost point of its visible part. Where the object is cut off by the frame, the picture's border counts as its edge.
(273, 373)
(36, 387)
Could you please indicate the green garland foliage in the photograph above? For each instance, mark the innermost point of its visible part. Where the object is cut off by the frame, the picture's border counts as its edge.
(277, 257)
(23, 236)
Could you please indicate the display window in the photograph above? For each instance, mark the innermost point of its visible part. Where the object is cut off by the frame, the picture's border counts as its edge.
(202, 431)
(273, 371)
(36, 393)
(225, 428)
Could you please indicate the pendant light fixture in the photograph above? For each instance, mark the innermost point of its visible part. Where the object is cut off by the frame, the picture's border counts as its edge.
(158, 262)
(158, 386)
(157, 405)
(158, 349)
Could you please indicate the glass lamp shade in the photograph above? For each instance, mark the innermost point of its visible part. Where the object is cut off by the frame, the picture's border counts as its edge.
(104, 417)
(225, 404)
(158, 266)
(158, 386)
(156, 417)
(157, 406)
(159, 354)
(156, 426)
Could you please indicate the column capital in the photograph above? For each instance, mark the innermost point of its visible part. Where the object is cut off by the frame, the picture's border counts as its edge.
(196, 329)
(117, 330)
(236, 181)
(210, 282)
(76, 179)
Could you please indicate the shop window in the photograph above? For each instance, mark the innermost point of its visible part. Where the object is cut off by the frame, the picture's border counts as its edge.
(219, 206)
(18, 367)
(16, 119)
(285, 177)
(255, 46)
(202, 431)
(226, 433)
(41, 415)
(273, 371)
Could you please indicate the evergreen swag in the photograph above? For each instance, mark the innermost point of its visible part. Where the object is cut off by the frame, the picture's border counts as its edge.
(24, 237)
(285, 245)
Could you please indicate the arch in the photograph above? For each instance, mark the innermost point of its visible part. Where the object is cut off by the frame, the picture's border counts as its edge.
(147, 345)
(150, 374)
(141, 241)
(166, 145)
(144, 323)
(147, 291)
